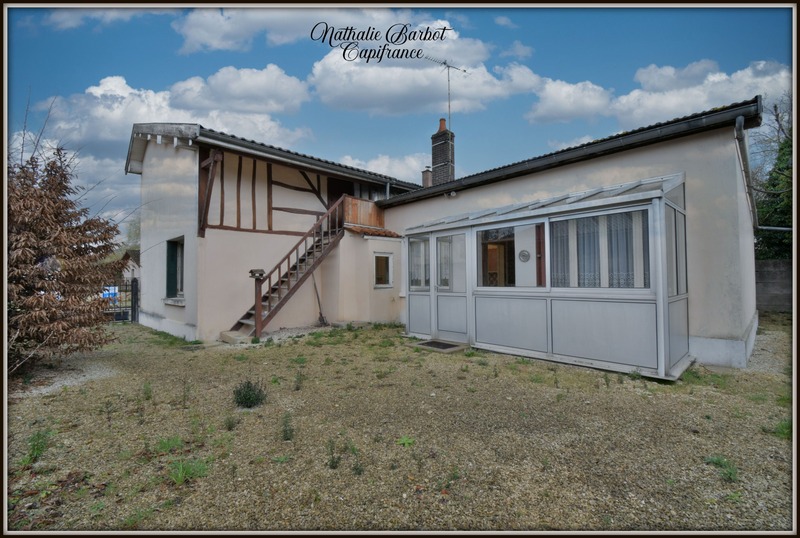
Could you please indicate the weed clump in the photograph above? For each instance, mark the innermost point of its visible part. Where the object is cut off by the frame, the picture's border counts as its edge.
(333, 458)
(249, 394)
(287, 430)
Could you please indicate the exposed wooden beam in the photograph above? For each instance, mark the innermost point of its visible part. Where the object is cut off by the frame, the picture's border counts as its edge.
(269, 195)
(253, 192)
(292, 187)
(314, 189)
(222, 194)
(247, 230)
(239, 194)
(207, 185)
(299, 211)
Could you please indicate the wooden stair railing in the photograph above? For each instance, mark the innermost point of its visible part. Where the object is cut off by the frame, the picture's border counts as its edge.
(295, 267)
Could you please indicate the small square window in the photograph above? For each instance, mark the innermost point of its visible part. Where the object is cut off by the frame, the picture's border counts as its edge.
(383, 270)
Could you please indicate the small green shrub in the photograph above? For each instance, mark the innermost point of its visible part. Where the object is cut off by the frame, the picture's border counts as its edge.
(164, 446)
(147, 391)
(298, 380)
(783, 429)
(727, 470)
(287, 430)
(231, 422)
(406, 441)
(182, 470)
(37, 444)
(333, 459)
(249, 394)
(299, 360)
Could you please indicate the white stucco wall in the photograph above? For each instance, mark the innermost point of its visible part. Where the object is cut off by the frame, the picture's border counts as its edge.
(349, 281)
(168, 211)
(721, 277)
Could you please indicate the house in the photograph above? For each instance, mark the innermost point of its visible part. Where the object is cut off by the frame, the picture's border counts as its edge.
(629, 253)
(214, 206)
(132, 268)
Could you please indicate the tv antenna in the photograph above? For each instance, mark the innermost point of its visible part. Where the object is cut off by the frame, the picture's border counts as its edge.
(448, 67)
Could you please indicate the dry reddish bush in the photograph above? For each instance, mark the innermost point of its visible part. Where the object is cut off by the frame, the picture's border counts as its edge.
(57, 263)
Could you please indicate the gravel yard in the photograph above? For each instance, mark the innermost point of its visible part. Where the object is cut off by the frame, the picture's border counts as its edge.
(362, 431)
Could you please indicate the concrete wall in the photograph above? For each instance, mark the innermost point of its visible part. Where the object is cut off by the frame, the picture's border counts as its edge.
(774, 285)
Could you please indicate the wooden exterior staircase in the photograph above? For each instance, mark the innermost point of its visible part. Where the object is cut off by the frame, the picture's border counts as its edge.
(292, 271)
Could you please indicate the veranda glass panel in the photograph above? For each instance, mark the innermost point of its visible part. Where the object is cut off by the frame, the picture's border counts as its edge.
(496, 267)
(602, 251)
(419, 269)
(451, 256)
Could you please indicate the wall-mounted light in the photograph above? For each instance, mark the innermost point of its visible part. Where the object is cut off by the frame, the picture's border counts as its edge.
(257, 273)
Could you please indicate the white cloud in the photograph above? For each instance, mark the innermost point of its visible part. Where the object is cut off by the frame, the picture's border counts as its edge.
(105, 113)
(407, 168)
(268, 90)
(69, 18)
(413, 85)
(697, 87)
(641, 107)
(561, 101)
(502, 20)
(665, 78)
(517, 50)
(559, 145)
(235, 29)
(667, 93)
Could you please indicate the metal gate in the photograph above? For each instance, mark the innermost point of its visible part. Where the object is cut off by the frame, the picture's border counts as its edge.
(123, 300)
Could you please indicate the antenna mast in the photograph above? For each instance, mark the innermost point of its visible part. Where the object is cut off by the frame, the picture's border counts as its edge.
(448, 67)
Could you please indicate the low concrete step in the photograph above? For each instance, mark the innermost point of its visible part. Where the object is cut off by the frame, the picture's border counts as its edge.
(234, 337)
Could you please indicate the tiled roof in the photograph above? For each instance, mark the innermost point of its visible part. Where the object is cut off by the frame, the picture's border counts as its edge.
(366, 230)
(380, 177)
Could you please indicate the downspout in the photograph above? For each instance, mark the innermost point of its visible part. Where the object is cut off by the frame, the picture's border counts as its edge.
(741, 146)
(744, 161)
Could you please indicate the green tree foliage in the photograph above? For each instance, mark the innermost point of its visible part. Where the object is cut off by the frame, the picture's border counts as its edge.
(773, 180)
(56, 264)
(774, 203)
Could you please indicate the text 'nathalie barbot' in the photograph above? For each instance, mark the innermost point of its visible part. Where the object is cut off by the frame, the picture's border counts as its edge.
(349, 39)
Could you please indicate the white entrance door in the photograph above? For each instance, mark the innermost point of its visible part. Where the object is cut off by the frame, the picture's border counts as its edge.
(449, 305)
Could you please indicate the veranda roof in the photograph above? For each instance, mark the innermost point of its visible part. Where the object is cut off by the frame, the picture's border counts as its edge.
(601, 197)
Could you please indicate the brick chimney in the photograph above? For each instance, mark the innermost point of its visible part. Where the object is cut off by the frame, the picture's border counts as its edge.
(443, 154)
(427, 177)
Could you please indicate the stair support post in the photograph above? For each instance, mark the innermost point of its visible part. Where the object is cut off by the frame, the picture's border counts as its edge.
(258, 283)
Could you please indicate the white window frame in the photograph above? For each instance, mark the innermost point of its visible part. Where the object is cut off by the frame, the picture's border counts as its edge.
(375, 256)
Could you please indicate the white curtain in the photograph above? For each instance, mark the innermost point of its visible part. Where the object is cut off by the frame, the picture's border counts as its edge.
(419, 263)
(588, 253)
(559, 254)
(620, 250)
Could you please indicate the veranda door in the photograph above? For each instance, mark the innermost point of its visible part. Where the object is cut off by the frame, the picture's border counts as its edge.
(449, 304)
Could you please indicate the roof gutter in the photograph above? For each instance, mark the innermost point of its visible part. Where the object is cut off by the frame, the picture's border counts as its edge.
(750, 111)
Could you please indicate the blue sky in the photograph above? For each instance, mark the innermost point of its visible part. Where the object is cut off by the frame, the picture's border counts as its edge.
(537, 79)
